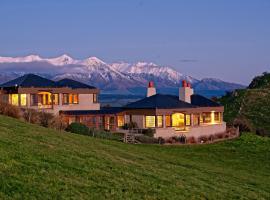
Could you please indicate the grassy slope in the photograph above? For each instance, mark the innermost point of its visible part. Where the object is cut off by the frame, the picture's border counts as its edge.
(41, 163)
(252, 104)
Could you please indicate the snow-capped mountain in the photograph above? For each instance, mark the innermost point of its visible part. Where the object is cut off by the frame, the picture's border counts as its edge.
(115, 76)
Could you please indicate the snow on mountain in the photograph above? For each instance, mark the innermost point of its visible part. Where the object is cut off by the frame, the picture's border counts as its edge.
(92, 70)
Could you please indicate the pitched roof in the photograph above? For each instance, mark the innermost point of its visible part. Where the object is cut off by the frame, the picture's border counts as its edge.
(202, 101)
(104, 110)
(73, 84)
(160, 101)
(29, 80)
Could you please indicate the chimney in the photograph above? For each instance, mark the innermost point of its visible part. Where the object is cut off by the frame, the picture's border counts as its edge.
(151, 90)
(185, 92)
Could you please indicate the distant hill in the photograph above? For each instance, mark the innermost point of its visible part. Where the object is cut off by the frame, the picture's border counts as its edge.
(250, 106)
(110, 77)
(41, 163)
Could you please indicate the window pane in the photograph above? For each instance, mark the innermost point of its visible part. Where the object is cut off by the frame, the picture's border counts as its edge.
(168, 121)
(150, 121)
(56, 99)
(70, 100)
(23, 99)
(206, 117)
(196, 119)
(160, 121)
(217, 117)
(15, 99)
(188, 123)
(120, 121)
(178, 120)
(75, 99)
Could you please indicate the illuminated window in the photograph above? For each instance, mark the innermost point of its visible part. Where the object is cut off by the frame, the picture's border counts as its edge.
(120, 121)
(196, 119)
(206, 117)
(75, 98)
(178, 120)
(168, 121)
(70, 98)
(217, 117)
(188, 121)
(23, 100)
(15, 99)
(150, 121)
(95, 98)
(33, 99)
(159, 121)
(56, 99)
(65, 98)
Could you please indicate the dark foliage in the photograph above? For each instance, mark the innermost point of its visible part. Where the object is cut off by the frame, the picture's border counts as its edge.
(78, 128)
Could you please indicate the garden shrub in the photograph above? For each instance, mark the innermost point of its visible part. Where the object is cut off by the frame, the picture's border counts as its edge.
(161, 140)
(78, 128)
(148, 132)
(262, 132)
(46, 119)
(243, 124)
(9, 110)
(108, 135)
(146, 139)
(203, 139)
(30, 115)
(191, 140)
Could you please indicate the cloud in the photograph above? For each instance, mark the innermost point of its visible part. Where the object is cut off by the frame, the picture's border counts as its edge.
(188, 60)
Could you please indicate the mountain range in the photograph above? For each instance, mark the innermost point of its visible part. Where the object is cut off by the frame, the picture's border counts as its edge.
(119, 77)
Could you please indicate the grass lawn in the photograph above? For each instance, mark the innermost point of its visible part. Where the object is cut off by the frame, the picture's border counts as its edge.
(39, 163)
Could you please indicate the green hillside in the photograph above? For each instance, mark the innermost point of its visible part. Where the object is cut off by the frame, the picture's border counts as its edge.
(251, 105)
(39, 163)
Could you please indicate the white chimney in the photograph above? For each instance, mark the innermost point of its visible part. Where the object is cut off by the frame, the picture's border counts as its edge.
(151, 90)
(185, 92)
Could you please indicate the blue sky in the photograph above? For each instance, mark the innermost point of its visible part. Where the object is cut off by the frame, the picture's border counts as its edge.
(227, 39)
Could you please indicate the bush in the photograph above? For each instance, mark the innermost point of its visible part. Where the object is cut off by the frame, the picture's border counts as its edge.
(191, 140)
(203, 139)
(262, 132)
(107, 135)
(130, 125)
(148, 132)
(46, 119)
(30, 115)
(58, 123)
(161, 140)
(146, 139)
(9, 110)
(243, 124)
(78, 128)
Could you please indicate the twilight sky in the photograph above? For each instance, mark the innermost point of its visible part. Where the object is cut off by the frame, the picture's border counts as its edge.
(227, 39)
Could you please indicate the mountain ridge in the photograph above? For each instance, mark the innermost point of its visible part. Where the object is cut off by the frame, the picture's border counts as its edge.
(107, 76)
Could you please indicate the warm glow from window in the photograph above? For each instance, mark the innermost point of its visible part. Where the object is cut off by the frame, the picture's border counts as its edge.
(178, 120)
(75, 99)
(95, 98)
(23, 99)
(56, 99)
(120, 121)
(150, 121)
(207, 117)
(70, 99)
(196, 119)
(217, 117)
(159, 121)
(188, 121)
(168, 121)
(15, 99)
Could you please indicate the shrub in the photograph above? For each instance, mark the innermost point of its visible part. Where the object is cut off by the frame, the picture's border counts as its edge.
(9, 110)
(46, 119)
(211, 138)
(203, 139)
(262, 132)
(148, 132)
(58, 123)
(243, 124)
(78, 128)
(161, 140)
(219, 135)
(30, 115)
(130, 125)
(146, 139)
(191, 140)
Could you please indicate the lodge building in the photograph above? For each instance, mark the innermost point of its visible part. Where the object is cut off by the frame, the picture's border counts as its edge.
(189, 114)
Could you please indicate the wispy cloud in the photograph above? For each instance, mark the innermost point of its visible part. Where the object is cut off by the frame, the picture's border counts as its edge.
(188, 60)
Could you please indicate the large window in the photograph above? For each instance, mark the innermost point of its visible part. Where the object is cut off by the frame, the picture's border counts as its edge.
(168, 121)
(70, 99)
(178, 120)
(15, 99)
(217, 117)
(160, 121)
(150, 121)
(188, 120)
(23, 99)
(196, 119)
(120, 120)
(206, 118)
